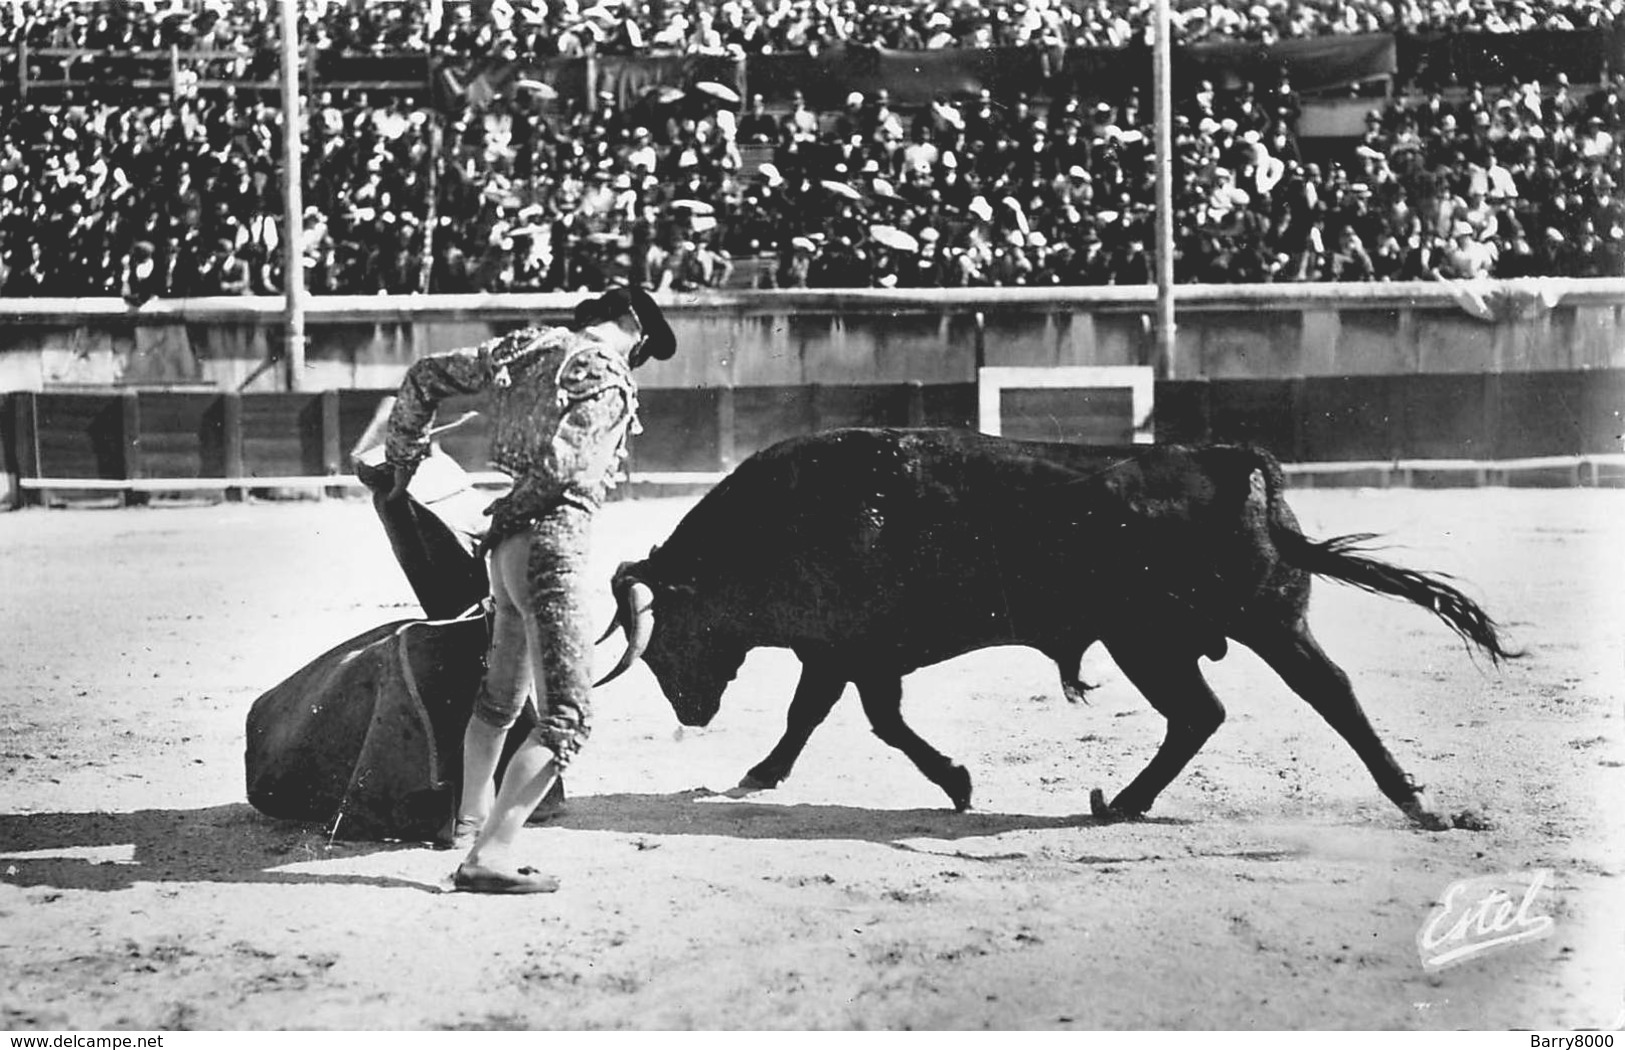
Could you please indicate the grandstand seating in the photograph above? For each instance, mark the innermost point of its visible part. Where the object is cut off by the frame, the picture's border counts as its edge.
(138, 155)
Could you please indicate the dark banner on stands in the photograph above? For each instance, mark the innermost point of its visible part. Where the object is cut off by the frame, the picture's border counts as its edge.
(1315, 64)
(916, 77)
(1442, 59)
(480, 85)
(631, 80)
(913, 78)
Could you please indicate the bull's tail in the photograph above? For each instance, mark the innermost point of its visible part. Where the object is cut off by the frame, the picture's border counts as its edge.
(1342, 558)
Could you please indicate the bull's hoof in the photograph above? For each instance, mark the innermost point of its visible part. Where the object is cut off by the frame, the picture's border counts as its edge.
(755, 781)
(1425, 816)
(956, 782)
(1076, 692)
(1108, 813)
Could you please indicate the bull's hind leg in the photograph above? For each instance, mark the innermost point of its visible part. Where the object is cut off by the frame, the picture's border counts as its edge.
(1070, 665)
(1299, 660)
(883, 703)
(816, 693)
(1172, 681)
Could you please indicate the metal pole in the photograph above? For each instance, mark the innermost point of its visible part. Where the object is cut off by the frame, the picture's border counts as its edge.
(293, 261)
(1162, 88)
(431, 212)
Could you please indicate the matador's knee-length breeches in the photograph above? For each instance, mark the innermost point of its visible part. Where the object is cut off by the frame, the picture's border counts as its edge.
(542, 635)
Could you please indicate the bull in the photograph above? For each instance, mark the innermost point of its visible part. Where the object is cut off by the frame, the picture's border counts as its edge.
(871, 553)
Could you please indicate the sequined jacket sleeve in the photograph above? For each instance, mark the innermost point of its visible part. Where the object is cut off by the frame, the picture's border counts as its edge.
(429, 381)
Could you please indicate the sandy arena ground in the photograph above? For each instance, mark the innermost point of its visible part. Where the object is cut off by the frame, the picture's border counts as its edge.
(1274, 888)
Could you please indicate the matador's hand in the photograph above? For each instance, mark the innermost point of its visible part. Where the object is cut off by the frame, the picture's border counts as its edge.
(403, 477)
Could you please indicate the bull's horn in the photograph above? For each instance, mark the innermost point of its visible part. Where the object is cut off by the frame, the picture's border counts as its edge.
(636, 616)
(618, 621)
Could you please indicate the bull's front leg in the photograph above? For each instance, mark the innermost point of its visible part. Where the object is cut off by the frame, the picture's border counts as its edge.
(883, 702)
(816, 693)
(1172, 681)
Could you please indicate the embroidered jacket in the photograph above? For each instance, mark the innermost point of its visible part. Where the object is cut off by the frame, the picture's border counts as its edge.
(561, 405)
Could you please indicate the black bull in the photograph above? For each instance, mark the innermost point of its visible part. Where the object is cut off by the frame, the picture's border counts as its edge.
(872, 553)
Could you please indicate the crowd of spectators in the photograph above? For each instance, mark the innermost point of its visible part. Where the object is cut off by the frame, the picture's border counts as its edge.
(1516, 183)
(573, 27)
(180, 196)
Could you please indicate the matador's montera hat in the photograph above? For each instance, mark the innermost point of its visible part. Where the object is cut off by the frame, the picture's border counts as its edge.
(660, 343)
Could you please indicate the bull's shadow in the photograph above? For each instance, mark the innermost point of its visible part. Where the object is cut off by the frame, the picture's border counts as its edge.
(105, 852)
(701, 811)
(229, 843)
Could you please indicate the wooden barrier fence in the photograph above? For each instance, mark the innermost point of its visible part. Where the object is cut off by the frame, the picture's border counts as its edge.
(182, 394)
(1467, 428)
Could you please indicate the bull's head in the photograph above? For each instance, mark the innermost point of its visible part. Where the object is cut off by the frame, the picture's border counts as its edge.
(666, 627)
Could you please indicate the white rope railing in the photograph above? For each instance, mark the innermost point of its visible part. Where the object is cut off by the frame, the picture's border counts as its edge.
(493, 479)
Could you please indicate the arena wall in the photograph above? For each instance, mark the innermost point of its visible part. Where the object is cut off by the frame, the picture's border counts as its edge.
(1330, 373)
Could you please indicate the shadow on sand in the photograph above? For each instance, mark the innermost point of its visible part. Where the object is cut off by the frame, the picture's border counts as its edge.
(703, 812)
(235, 843)
(230, 843)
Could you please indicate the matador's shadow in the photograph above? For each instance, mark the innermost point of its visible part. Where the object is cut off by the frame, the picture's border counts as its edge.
(229, 843)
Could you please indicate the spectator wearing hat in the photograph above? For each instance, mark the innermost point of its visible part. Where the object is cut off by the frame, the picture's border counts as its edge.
(963, 267)
(1477, 213)
(795, 264)
(712, 268)
(1133, 263)
(650, 243)
(642, 156)
(1595, 142)
(1551, 252)
(800, 124)
(1588, 255)
(1047, 260)
(1563, 108)
(756, 213)
(918, 159)
(1009, 265)
(885, 129)
(143, 277)
(1607, 102)
(982, 120)
(852, 124)
(1466, 258)
(924, 268)
(841, 263)
(1517, 254)
(1071, 150)
(756, 125)
(1603, 203)
(873, 109)
(1226, 202)
(884, 266)
(1350, 261)
(184, 258)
